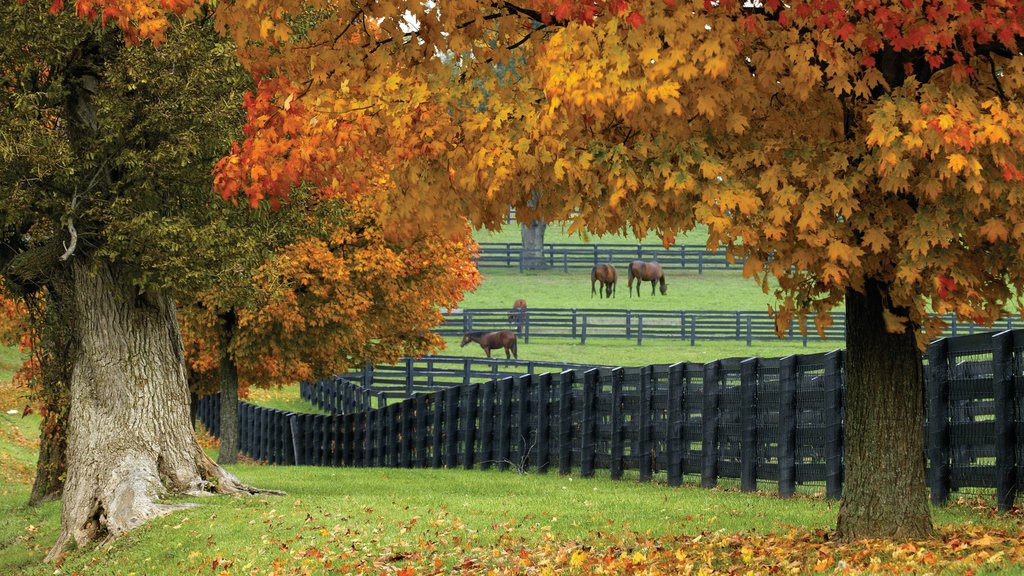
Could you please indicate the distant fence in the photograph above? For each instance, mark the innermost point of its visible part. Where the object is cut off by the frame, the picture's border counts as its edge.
(771, 423)
(687, 325)
(568, 257)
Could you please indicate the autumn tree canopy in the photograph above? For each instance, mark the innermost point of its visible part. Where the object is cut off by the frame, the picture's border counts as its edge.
(861, 153)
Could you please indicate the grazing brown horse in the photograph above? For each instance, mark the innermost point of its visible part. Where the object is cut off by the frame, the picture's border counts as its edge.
(606, 275)
(518, 312)
(493, 340)
(643, 272)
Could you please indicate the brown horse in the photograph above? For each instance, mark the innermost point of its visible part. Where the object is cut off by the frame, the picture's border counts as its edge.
(606, 275)
(493, 340)
(518, 312)
(643, 272)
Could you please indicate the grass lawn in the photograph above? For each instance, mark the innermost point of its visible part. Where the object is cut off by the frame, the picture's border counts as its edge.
(381, 521)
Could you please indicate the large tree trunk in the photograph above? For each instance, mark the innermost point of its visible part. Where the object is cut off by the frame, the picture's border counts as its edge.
(129, 437)
(533, 245)
(884, 490)
(228, 394)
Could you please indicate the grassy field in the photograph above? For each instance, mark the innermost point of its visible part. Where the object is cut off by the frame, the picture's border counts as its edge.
(379, 521)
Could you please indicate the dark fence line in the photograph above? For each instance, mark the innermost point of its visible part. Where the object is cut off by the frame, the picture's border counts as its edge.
(585, 256)
(376, 385)
(686, 325)
(650, 420)
(771, 423)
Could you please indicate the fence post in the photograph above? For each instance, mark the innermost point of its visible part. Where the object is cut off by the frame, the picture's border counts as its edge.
(748, 421)
(589, 440)
(645, 424)
(370, 438)
(408, 409)
(583, 333)
(574, 314)
(1006, 434)
(565, 422)
(639, 330)
(469, 407)
(504, 422)
(674, 441)
(937, 386)
(618, 423)
(543, 422)
(293, 421)
(709, 420)
(409, 367)
(787, 426)
(395, 434)
(437, 428)
(421, 430)
(524, 385)
(367, 376)
(467, 371)
(693, 330)
(451, 427)
(382, 441)
(749, 335)
(629, 321)
(487, 426)
(834, 425)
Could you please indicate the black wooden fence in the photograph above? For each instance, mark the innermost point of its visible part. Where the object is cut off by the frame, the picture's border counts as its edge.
(568, 257)
(771, 423)
(694, 326)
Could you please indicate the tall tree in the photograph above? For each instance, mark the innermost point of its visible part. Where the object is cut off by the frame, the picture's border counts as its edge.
(107, 151)
(109, 136)
(335, 294)
(864, 153)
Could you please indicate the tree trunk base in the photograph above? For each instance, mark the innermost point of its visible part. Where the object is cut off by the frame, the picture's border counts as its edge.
(884, 491)
(130, 439)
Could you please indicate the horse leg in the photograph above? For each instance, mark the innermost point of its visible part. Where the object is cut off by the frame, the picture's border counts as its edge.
(487, 350)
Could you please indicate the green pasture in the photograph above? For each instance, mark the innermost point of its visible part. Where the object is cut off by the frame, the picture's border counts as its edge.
(10, 360)
(387, 518)
(687, 290)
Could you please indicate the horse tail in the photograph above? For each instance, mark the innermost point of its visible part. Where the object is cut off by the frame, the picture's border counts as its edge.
(630, 283)
(515, 351)
(593, 278)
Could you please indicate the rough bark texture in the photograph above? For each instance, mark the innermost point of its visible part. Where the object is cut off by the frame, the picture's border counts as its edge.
(884, 490)
(533, 245)
(228, 453)
(130, 441)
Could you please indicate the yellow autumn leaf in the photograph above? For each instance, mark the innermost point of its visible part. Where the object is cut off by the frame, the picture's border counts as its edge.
(956, 163)
(995, 230)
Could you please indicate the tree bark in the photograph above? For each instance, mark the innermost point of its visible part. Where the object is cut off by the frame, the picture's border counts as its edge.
(229, 433)
(533, 245)
(130, 441)
(884, 490)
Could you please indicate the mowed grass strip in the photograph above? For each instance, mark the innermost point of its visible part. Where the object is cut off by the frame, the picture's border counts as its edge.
(382, 521)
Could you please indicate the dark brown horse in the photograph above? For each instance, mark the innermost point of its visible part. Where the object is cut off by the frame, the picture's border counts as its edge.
(518, 312)
(606, 275)
(643, 272)
(493, 340)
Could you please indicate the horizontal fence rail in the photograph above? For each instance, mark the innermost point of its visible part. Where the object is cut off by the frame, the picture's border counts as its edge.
(687, 325)
(770, 423)
(568, 257)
